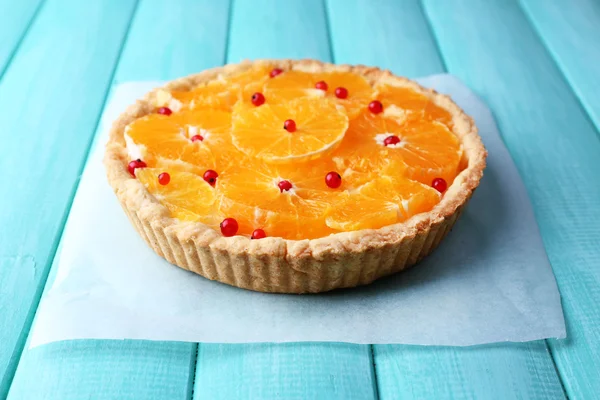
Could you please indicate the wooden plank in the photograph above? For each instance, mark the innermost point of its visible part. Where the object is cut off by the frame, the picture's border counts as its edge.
(15, 19)
(286, 371)
(278, 29)
(430, 372)
(555, 147)
(389, 34)
(171, 39)
(484, 372)
(50, 95)
(16, 272)
(157, 47)
(80, 370)
(572, 32)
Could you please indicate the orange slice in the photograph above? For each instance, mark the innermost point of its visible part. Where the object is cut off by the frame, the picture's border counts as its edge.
(214, 94)
(249, 82)
(293, 84)
(383, 201)
(408, 104)
(171, 137)
(427, 148)
(259, 131)
(252, 195)
(187, 196)
(221, 93)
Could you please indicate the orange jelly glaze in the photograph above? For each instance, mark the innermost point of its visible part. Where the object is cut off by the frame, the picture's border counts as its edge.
(251, 152)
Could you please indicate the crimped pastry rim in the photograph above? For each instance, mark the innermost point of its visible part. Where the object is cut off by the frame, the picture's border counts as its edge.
(135, 198)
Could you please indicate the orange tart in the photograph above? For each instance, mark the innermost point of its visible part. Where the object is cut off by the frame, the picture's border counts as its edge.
(294, 176)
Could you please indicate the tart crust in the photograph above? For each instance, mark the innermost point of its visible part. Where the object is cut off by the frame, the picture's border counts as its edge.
(273, 264)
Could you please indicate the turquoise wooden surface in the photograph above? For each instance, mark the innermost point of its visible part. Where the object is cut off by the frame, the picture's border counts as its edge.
(16, 19)
(50, 95)
(572, 35)
(389, 34)
(523, 58)
(556, 149)
(155, 29)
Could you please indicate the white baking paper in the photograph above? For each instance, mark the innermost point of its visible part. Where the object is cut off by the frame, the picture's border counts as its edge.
(489, 281)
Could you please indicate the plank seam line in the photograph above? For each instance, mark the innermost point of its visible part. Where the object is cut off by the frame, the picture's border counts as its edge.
(228, 37)
(46, 271)
(374, 371)
(193, 369)
(325, 5)
(556, 369)
(436, 42)
(22, 38)
(559, 66)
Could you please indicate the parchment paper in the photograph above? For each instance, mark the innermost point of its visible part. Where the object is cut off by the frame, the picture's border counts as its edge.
(490, 280)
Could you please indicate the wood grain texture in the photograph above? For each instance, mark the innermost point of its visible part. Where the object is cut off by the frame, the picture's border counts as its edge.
(555, 147)
(15, 19)
(80, 370)
(514, 371)
(284, 371)
(171, 39)
(17, 272)
(278, 29)
(389, 34)
(51, 97)
(571, 31)
(134, 369)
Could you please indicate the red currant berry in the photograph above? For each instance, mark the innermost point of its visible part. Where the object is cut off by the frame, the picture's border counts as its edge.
(341, 93)
(135, 164)
(393, 139)
(439, 184)
(258, 234)
(321, 85)
(375, 107)
(275, 72)
(284, 185)
(164, 111)
(333, 180)
(210, 176)
(258, 99)
(289, 125)
(229, 227)
(164, 178)
(197, 138)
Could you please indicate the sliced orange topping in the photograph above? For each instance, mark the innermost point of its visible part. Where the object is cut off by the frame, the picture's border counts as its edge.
(383, 201)
(169, 137)
(186, 195)
(294, 154)
(427, 148)
(354, 96)
(295, 209)
(408, 104)
(319, 125)
(221, 93)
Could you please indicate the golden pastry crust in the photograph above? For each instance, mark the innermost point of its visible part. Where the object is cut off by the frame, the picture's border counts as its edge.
(272, 264)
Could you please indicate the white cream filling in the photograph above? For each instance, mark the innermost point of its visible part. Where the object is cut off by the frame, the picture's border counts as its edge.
(380, 138)
(133, 150)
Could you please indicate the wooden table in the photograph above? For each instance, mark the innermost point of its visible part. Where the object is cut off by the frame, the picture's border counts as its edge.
(535, 63)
